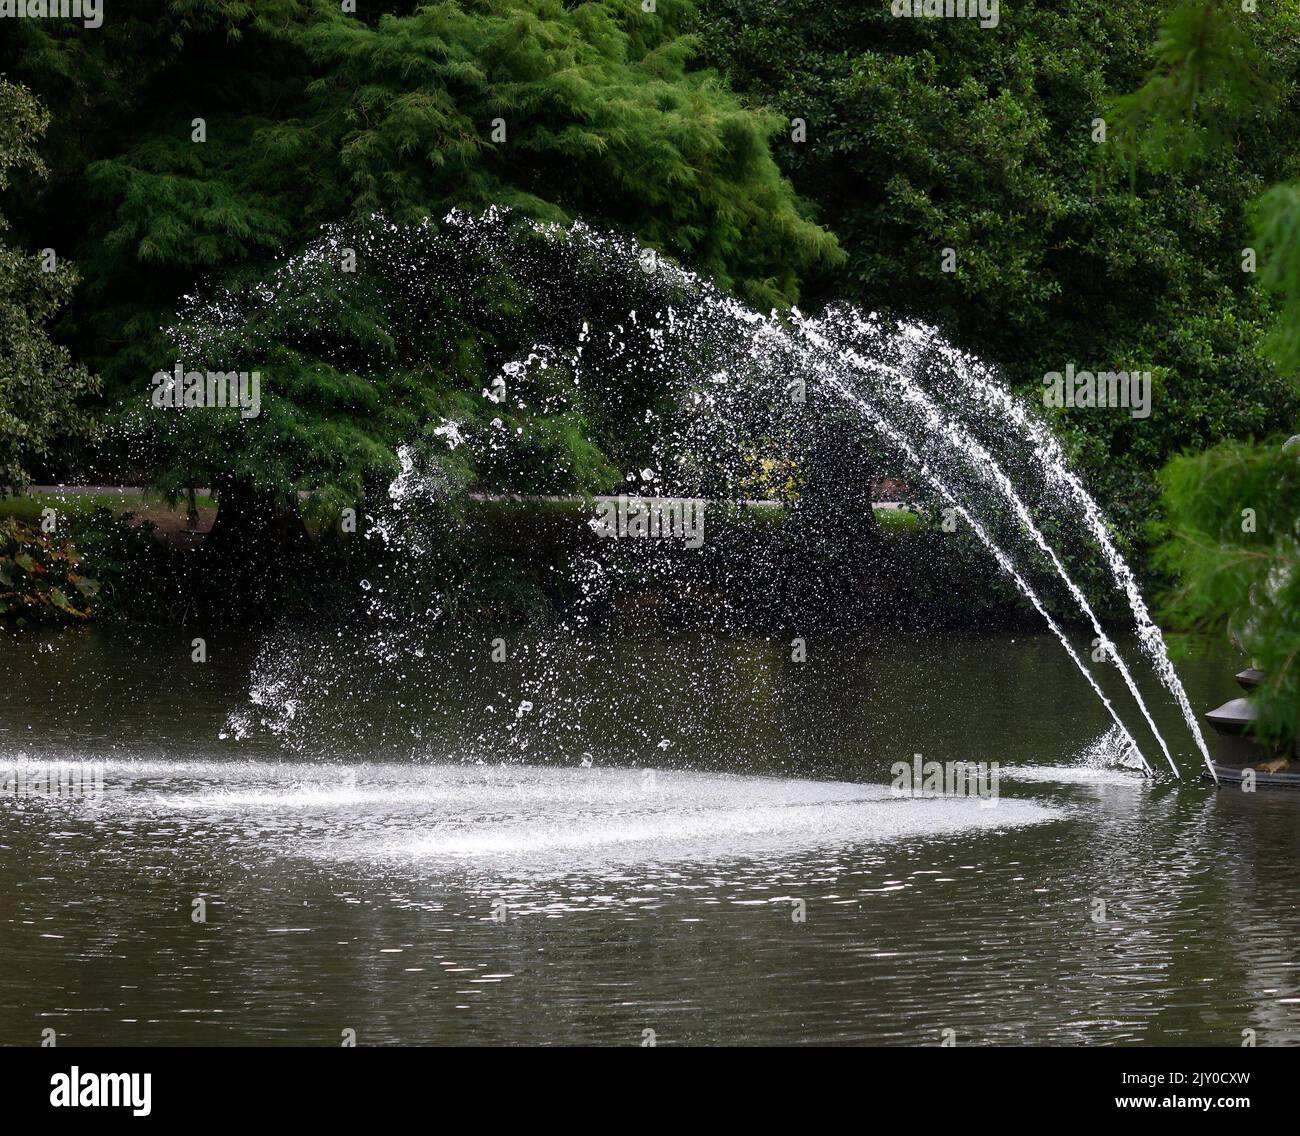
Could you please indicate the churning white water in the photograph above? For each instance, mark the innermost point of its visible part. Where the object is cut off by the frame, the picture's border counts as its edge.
(523, 817)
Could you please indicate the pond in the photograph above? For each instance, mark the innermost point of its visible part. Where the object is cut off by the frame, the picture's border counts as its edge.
(505, 838)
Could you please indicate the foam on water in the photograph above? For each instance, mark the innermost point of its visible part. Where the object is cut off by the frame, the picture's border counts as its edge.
(1072, 775)
(546, 817)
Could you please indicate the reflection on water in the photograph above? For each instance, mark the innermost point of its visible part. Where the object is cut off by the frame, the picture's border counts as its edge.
(753, 881)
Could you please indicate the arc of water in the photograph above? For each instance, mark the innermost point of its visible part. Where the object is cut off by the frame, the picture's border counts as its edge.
(1052, 460)
(1004, 561)
(937, 421)
(726, 305)
(783, 339)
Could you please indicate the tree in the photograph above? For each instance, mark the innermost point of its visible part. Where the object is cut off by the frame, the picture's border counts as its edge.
(39, 384)
(1232, 539)
(1232, 544)
(228, 134)
(1006, 146)
(312, 115)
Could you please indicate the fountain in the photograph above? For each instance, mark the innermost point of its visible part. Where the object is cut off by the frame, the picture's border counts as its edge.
(728, 374)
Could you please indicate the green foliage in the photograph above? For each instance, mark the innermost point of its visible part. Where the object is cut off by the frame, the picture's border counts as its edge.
(354, 365)
(40, 577)
(140, 577)
(1278, 239)
(21, 127)
(1232, 539)
(921, 135)
(926, 134)
(39, 384)
(1231, 536)
(313, 115)
(1208, 66)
